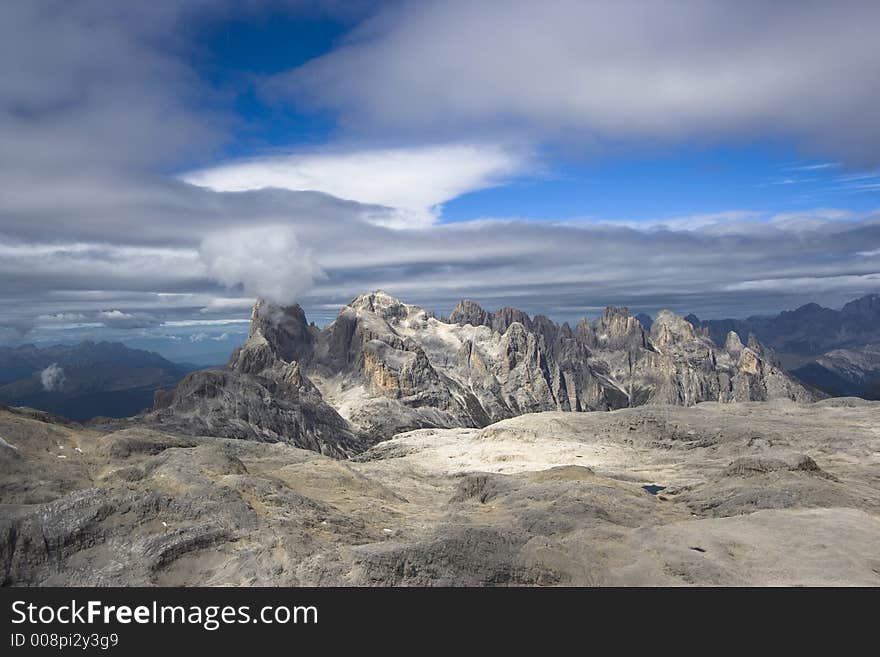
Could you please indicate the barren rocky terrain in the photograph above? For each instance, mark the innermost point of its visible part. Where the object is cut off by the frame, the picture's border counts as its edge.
(756, 493)
(493, 448)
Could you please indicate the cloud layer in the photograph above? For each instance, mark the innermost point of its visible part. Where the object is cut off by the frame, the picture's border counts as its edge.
(99, 111)
(728, 264)
(592, 71)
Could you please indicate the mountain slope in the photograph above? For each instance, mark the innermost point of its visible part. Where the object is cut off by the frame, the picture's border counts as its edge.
(85, 380)
(384, 366)
(391, 366)
(843, 372)
(261, 395)
(837, 351)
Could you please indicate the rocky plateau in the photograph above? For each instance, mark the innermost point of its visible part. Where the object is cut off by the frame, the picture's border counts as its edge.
(756, 493)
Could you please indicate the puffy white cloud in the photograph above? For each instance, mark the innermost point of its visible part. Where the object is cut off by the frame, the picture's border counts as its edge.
(52, 378)
(413, 181)
(267, 261)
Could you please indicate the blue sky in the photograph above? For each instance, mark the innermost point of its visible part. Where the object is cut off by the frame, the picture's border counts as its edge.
(165, 164)
(689, 181)
(231, 53)
(635, 182)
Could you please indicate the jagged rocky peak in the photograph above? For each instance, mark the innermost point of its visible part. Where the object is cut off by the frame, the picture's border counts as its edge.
(284, 329)
(381, 303)
(469, 312)
(264, 393)
(866, 307)
(616, 328)
(669, 328)
(754, 344)
(384, 366)
(733, 344)
(504, 317)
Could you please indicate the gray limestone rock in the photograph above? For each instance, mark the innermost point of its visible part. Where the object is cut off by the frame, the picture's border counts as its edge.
(385, 366)
(752, 494)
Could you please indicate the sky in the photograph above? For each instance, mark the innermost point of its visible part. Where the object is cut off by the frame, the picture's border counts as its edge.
(163, 164)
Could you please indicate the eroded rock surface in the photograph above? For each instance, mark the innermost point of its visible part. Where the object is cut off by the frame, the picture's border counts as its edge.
(384, 366)
(777, 493)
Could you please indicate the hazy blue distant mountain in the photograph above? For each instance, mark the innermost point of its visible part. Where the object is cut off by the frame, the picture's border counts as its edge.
(85, 380)
(837, 351)
(845, 372)
(646, 321)
(807, 331)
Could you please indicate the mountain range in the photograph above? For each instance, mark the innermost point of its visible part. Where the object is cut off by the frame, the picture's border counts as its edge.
(457, 375)
(837, 351)
(384, 366)
(393, 447)
(85, 380)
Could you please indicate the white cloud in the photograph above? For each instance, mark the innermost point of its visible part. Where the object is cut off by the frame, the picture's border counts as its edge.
(118, 319)
(595, 71)
(52, 378)
(267, 261)
(700, 264)
(808, 284)
(413, 181)
(814, 167)
(202, 336)
(206, 322)
(114, 314)
(61, 318)
(91, 224)
(226, 304)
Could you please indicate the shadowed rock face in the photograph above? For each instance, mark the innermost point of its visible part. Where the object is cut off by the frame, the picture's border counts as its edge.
(837, 351)
(854, 371)
(384, 366)
(262, 394)
(284, 329)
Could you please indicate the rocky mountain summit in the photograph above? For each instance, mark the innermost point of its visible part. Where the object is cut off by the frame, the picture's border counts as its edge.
(384, 366)
(261, 395)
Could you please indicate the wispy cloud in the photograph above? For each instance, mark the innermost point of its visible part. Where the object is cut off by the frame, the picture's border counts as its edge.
(793, 181)
(814, 167)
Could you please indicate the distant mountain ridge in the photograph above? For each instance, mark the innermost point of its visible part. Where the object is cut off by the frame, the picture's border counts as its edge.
(809, 330)
(85, 380)
(384, 366)
(835, 350)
